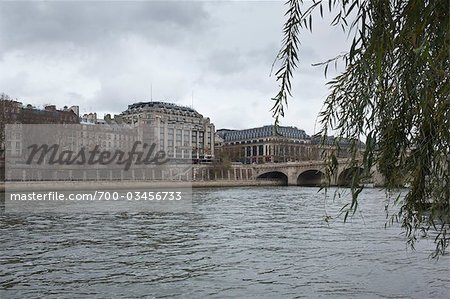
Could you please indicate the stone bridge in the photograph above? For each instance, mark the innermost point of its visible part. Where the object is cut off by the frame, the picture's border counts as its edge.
(309, 173)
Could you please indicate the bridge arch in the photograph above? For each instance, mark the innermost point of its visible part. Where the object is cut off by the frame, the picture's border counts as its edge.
(312, 177)
(275, 175)
(346, 176)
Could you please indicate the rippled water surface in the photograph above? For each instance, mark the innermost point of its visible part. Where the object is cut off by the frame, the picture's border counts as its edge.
(237, 242)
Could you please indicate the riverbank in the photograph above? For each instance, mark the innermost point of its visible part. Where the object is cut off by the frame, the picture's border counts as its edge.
(117, 185)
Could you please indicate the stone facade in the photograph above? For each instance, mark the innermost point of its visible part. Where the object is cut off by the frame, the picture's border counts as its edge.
(182, 132)
(266, 144)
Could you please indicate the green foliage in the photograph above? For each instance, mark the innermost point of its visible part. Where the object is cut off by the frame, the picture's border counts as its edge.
(222, 162)
(394, 93)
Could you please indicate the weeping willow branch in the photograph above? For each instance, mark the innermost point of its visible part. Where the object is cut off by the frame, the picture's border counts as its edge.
(394, 92)
(289, 57)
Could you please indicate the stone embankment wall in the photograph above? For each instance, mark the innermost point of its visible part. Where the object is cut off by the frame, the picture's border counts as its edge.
(202, 176)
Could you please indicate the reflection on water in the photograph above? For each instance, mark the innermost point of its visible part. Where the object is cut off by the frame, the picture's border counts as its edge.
(237, 242)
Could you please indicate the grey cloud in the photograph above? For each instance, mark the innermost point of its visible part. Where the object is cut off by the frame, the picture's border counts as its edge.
(231, 61)
(103, 56)
(24, 23)
(225, 61)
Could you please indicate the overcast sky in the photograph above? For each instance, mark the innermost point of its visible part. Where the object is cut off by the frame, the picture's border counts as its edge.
(104, 56)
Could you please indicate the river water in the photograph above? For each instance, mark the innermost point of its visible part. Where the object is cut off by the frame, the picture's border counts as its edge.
(268, 242)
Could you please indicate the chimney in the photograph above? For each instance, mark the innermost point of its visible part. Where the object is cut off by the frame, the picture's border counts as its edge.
(50, 108)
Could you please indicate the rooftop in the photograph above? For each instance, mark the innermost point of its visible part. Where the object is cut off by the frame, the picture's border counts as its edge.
(264, 131)
(160, 105)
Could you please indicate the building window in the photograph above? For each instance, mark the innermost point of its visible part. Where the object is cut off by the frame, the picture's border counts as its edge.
(170, 134)
(186, 138)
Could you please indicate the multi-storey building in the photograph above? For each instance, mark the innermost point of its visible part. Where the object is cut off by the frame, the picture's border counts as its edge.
(283, 144)
(30, 115)
(13, 112)
(267, 144)
(181, 132)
